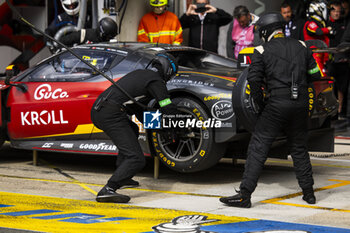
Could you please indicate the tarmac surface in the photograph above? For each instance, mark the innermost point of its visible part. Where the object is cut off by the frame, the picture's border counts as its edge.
(58, 195)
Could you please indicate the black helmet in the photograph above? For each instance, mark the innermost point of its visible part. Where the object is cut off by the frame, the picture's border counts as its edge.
(166, 65)
(108, 28)
(268, 23)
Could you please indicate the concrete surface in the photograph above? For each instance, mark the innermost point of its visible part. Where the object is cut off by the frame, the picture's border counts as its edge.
(80, 177)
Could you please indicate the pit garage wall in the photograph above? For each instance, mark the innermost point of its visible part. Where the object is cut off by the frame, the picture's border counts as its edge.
(137, 8)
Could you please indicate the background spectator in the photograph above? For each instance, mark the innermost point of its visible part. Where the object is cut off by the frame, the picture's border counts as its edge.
(160, 25)
(204, 24)
(240, 34)
(338, 69)
(345, 11)
(294, 26)
(298, 8)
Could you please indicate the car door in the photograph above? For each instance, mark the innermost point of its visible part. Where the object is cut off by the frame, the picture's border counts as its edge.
(58, 98)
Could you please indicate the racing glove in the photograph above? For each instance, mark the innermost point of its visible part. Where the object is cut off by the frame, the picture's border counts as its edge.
(169, 109)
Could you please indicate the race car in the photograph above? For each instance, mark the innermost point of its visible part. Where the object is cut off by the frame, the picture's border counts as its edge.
(47, 107)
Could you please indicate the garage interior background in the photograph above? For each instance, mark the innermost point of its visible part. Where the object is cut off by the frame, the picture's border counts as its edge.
(41, 14)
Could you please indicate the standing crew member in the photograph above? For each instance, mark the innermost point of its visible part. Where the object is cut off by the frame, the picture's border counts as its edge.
(160, 25)
(111, 112)
(284, 63)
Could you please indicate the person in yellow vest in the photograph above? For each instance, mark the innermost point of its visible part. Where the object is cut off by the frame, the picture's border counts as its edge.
(160, 25)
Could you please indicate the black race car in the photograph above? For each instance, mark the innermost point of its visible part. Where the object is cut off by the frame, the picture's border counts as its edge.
(47, 107)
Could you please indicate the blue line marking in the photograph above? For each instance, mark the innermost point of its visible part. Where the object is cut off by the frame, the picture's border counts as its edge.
(81, 218)
(62, 216)
(1, 205)
(264, 225)
(29, 212)
(89, 218)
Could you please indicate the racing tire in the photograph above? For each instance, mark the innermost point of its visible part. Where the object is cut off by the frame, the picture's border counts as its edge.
(242, 103)
(189, 149)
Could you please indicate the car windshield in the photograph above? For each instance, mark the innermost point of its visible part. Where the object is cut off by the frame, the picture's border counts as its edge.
(67, 68)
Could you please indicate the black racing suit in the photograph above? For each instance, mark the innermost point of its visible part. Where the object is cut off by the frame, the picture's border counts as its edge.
(82, 36)
(273, 65)
(111, 113)
(63, 20)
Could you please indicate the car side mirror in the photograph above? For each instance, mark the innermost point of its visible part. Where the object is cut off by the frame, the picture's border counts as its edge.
(11, 71)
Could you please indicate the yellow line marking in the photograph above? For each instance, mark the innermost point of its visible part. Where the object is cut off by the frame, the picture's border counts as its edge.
(136, 219)
(278, 200)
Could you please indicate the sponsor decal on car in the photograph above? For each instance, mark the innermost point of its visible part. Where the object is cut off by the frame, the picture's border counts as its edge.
(47, 145)
(67, 145)
(45, 91)
(222, 110)
(139, 124)
(43, 118)
(98, 147)
(218, 97)
(191, 82)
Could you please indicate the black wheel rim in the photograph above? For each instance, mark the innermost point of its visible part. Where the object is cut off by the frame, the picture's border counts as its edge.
(186, 143)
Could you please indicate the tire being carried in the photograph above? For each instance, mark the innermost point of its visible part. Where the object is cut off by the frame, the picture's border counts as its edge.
(187, 149)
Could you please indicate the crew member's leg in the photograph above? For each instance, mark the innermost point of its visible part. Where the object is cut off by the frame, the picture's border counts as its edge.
(297, 140)
(133, 159)
(115, 123)
(267, 128)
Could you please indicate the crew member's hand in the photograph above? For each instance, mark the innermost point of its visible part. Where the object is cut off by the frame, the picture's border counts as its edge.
(210, 8)
(330, 29)
(170, 109)
(191, 10)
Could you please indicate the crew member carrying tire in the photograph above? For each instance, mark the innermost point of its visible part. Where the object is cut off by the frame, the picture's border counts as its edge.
(111, 112)
(284, 66)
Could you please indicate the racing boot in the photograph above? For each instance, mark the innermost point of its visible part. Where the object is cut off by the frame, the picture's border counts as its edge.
(107, 194)
(308, 196)
(241, 199)
(128, 183)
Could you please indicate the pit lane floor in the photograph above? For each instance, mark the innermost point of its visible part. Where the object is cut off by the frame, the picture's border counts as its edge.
(58, 196)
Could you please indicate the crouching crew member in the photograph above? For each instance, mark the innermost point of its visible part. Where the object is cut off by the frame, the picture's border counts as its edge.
(111, 113)
(284, 66)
